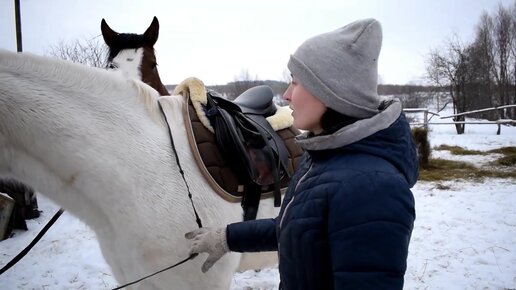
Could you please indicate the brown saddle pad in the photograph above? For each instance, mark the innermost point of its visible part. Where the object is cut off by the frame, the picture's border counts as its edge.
(216, 170)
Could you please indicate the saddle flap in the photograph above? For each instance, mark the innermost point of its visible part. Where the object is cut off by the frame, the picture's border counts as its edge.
(244, 144)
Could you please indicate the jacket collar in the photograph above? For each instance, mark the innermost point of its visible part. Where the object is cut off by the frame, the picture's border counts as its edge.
(354, 132)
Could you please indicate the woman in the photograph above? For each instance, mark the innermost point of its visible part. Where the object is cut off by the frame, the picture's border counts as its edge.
(348, 213)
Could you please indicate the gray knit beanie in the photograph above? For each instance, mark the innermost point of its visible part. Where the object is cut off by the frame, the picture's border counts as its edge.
(340, 68)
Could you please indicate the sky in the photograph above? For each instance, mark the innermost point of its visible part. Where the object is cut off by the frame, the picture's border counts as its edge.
(464, 236)
(221, 41)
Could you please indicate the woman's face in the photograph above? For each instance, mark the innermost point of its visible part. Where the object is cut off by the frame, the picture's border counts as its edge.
(307, 110)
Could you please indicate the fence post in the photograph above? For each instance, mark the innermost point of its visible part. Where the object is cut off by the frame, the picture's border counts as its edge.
(6, 208)
(426, 119)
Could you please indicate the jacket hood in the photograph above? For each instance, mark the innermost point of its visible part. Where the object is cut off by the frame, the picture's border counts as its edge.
(394, 144)
(389, 112)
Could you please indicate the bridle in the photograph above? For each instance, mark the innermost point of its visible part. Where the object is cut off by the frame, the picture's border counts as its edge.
(60, 211)
(197, 218)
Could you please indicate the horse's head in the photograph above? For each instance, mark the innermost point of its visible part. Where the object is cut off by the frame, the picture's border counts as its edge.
(133, 54)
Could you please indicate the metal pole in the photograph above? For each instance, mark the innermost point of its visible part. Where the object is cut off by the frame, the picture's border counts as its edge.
(18, 26)
(426, 120)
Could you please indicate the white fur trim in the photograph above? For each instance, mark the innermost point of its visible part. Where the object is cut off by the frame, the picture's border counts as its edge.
(281, 120)
(198, 97)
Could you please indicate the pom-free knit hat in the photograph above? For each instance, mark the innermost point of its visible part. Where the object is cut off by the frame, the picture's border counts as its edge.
(340, 68)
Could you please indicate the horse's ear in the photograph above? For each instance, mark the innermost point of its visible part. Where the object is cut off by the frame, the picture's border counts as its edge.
(108, 33)
(151, 34)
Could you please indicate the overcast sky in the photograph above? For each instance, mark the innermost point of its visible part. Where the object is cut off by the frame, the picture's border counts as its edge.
(217, 40)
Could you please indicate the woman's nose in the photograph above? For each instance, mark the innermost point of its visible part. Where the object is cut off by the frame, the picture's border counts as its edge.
(287, 94)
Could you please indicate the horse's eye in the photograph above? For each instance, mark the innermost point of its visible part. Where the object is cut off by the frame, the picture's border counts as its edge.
(112, 65)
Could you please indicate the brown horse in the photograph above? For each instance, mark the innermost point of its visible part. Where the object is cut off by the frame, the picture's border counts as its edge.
(133, 54)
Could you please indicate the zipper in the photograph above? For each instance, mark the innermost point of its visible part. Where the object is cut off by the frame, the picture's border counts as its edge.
(294, 197)
(287, 207)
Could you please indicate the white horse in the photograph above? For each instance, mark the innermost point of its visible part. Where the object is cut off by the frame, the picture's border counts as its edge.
(133, 55)
(97, 144)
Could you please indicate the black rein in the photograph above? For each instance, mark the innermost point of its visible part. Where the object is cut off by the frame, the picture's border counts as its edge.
(56, 216)
(197, 218)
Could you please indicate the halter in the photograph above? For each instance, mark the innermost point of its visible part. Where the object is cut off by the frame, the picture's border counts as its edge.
(60, 211)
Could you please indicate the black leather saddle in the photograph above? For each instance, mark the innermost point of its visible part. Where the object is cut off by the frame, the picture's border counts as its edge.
(257, 101)
(249, 143)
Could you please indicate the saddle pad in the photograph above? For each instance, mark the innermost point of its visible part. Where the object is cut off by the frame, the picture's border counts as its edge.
(221, 177)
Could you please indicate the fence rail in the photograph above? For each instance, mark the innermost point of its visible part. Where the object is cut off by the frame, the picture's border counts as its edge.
(481, 110)
(426, 122)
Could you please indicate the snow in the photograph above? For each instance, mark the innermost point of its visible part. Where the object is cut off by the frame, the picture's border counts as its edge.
(464, 235)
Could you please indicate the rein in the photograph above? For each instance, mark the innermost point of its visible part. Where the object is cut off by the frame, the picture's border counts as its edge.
(33, 243)
(60, 211)
(197, 218)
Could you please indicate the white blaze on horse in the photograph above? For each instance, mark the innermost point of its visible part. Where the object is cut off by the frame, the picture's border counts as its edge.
(96, 143)
(133, 54)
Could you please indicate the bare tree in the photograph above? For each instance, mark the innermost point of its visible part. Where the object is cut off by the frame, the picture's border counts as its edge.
(481, 55)
(243, 82)
(451, 68)
(501, 54)
(493, 57)
(513, 54)
(484, 70)
(90, 52)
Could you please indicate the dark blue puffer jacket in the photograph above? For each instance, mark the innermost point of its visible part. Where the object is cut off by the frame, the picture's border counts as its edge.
(347, 216)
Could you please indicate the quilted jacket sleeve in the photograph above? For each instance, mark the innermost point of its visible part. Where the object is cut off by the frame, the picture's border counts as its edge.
(252, 236)
(369, 226)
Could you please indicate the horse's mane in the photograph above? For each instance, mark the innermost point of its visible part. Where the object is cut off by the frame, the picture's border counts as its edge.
(150, 99)
(78, 76)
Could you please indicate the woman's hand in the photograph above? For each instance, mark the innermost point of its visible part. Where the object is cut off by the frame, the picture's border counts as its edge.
(208, 240)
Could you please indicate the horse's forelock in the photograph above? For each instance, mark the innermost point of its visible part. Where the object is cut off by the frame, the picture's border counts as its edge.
(125, 41)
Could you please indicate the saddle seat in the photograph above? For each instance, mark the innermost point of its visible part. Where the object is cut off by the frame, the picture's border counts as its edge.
(257, 100)
(229, 182)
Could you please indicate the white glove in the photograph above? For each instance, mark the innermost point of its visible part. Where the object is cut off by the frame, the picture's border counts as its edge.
(208, 240)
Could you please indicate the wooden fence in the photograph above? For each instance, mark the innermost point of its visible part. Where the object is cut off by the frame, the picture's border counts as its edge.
(426, 121)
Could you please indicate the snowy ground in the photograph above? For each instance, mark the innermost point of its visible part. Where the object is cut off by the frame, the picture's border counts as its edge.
(464, 236)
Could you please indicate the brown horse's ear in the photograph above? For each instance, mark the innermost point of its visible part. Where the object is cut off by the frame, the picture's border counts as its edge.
(108, 33)
(151, 34)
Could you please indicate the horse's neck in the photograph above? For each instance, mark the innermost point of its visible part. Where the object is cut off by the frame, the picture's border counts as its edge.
(93, 144)
(86, 140)
(160, 87)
